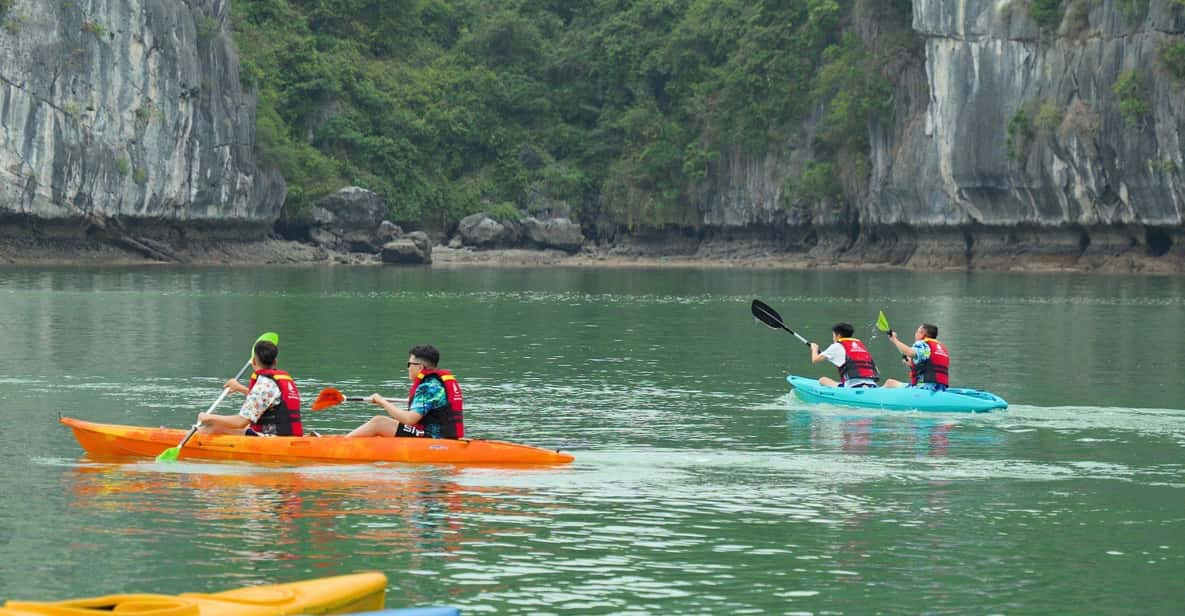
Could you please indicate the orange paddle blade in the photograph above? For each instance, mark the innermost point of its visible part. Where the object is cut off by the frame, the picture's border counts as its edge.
(328, 397)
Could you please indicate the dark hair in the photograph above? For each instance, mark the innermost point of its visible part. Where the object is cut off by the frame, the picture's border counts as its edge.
(931, 330)
(266, 352)
(845, 330)
(426, 352)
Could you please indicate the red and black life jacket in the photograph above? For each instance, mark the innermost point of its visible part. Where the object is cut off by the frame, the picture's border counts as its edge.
(283, 417)
(446, 421)
(934, 370)
(859, 364)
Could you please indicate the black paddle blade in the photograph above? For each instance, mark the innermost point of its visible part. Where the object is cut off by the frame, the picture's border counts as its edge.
(767, 315)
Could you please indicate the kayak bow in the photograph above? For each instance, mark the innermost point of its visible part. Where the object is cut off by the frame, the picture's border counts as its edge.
(343, 594)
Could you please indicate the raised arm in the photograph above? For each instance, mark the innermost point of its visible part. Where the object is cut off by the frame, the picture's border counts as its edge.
(903, 348)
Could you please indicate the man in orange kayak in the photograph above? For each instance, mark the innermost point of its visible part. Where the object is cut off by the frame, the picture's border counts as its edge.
(929, 361)
(272, 407)
(434, 404)
(856, 368)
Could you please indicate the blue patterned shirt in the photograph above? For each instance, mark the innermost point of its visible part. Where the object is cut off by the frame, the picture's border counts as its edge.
(923, 351)
(430, 395)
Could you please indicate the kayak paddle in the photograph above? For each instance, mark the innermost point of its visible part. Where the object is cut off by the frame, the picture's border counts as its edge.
(331, 396)
(882, 323)
(170, 454)
(770, 317)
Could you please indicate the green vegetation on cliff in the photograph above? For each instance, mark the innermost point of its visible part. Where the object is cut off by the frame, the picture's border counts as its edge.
(1047, 13)
(623, 109)
(1172, 57)
(1133, 97)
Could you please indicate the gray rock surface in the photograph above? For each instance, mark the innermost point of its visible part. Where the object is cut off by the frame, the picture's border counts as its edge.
(350, 208)
(129, 109)
(423, 242)
(413, 249)
(558, 233)
(352, 219)
(481, 231)
(389, 231)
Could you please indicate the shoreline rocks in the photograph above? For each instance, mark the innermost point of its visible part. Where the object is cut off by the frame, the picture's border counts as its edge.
(1113, 250)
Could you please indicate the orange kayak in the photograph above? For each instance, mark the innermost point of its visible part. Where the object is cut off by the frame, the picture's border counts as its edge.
(116, 440)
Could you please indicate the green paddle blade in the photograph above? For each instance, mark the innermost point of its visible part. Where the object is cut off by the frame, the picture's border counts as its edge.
(271, 337)
(169, 455)
(881, 322)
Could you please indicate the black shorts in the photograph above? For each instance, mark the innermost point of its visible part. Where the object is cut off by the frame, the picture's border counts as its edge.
(410, 431)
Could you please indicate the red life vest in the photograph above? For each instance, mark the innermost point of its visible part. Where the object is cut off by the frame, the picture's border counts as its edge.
(284, 415)
(859, 364)
(934, 370)
(446, 421)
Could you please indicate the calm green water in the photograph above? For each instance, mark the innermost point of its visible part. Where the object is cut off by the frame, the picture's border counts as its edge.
(700, 486)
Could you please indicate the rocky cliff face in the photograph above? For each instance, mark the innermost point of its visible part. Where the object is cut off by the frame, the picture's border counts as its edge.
(127, 110)
(1023, 127)
(1007, 143)
(1005, 139)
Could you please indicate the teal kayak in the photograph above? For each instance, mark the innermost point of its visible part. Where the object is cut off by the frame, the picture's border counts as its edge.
(898, 398)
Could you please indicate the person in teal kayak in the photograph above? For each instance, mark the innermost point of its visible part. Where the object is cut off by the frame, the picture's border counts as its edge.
(850, 356)
(272, 407)
(929, 361)
(434, 403)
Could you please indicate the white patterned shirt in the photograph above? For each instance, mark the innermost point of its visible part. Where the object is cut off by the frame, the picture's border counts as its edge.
(262, 396)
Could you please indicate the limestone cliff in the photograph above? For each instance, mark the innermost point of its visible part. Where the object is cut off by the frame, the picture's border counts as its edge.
(1005, 138)
(127, 110)
(988, 70)
(1009, 141)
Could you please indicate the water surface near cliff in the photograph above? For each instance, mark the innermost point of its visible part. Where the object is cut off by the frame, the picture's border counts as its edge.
(700, 485)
